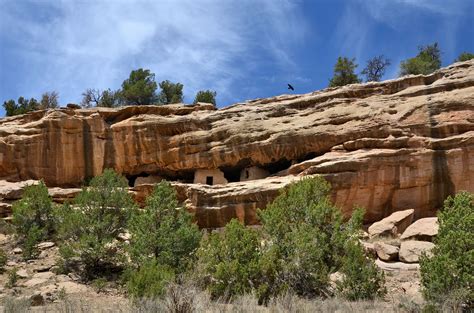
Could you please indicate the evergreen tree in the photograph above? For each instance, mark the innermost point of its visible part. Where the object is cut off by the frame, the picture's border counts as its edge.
(344, 72)
(206, 96)
(426, 62)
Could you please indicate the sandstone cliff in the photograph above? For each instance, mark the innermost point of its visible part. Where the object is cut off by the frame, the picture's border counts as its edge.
(399, 144)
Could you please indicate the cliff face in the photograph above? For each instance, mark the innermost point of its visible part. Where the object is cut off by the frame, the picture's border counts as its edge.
(404, 143)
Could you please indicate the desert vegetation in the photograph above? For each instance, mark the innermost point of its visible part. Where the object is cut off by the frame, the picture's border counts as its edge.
(303, 257)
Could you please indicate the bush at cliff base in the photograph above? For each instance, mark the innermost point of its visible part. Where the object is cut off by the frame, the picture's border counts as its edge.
(303, 240)
(448, 276)
(230, 261)
(33, 217)
(163, 243)
(149, 281)
(90, 226)
(164, 231)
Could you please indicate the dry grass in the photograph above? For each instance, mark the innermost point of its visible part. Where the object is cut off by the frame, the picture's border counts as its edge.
(188, 299)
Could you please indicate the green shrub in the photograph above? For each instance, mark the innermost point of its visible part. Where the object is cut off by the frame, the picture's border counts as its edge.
(426, 62)
(3, 260)
(465, 56)
(34, 236)
(304, 230)
(307, 241)
(229, 262)
(12, 278)
(33, 217)
(149, 281)
(163, 231)
(91, 225)
(303, 239)
(362, 280)
(205, 96)
(344, 72)
(449, 273)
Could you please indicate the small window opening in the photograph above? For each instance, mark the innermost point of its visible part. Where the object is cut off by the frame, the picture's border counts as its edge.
(246, 174)
(209, 180)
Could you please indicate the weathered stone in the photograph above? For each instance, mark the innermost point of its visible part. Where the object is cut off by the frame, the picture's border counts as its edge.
(34, 281)
(392, 225)
(44, 275)
(45, 245)
(411, 250)
(152, 179)
(423, 229)
(386, 252)
(22, 273)
(396, 266)
(385, 146)
(71, 287)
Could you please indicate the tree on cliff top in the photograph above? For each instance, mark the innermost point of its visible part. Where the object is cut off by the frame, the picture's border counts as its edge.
(139, 88)
(170, 92)
(465, 56)
(106, 98)
(344, 72)
(426, 62)
(206, 96)
(375, 68)
(49, 100)
(23, 106)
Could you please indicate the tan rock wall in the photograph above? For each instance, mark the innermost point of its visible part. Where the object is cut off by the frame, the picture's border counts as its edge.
(393, 145)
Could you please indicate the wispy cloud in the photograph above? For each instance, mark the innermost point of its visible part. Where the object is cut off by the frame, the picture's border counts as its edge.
(73, 45)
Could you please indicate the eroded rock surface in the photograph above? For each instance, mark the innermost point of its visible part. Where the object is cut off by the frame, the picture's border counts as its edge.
(423, 229)
(388, 146)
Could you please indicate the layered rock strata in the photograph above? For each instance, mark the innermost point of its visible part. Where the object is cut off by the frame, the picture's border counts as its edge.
(388, 146)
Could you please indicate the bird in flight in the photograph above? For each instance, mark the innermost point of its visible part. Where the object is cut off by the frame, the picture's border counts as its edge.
(290, 87)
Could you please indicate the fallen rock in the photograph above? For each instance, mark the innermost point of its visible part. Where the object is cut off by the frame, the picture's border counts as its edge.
(17, 250)
(396, 266)
(72, 287)
(45, 245)
(423, 229)
(22, 273)
(386, 252)
(14, 190)
(3, 238)
(34, 282)
(411, 250)
(44, 275)
(392, 225)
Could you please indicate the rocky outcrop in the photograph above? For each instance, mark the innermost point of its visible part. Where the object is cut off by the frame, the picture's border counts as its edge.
(423, 229)
(386, 252)
(387, 146)
(411, 250)
(393, 225)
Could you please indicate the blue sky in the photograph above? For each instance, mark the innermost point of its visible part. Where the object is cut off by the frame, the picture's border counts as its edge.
(242, 49)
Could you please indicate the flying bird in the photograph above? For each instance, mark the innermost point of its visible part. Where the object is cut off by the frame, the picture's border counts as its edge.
(290, 87)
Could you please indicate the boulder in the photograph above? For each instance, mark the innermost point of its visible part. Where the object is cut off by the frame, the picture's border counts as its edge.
(396, 266)
(45, 245)
(392, 225)
(72, 287)
(386, 252)
(411, 250)
(423, 229)
(22, 273)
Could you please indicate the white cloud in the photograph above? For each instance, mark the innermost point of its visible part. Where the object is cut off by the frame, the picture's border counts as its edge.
(95, 44)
